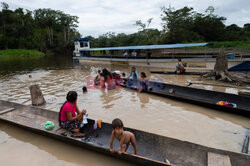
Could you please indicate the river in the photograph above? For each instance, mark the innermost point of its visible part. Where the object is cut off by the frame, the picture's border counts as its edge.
(58, 75)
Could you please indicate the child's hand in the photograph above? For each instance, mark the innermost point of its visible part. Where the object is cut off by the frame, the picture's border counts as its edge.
(112, 150)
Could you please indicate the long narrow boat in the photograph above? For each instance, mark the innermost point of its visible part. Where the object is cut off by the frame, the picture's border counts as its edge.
(174, 73)
(153, 149)
(197, 96)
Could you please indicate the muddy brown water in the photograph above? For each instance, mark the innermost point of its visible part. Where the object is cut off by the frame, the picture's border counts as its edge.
(140, 111)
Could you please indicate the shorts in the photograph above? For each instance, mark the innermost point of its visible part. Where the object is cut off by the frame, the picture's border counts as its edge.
(70, 125)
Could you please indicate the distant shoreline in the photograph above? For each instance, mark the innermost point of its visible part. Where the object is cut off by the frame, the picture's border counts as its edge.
(13, 54)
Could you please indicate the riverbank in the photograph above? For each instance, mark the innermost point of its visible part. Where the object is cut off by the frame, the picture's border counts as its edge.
(13, 54)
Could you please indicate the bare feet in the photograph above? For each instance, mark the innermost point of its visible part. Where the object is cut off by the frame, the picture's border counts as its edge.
(78, 135)
(112, 150)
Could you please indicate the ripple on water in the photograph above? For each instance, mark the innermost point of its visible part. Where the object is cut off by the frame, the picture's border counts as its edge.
(141, 111)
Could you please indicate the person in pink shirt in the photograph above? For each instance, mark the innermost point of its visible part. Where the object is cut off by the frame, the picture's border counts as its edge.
(68, 119)
(108, 79)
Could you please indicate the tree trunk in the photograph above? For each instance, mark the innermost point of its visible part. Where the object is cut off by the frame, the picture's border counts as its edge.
(220, 71)
(36, 95)
(221, 64)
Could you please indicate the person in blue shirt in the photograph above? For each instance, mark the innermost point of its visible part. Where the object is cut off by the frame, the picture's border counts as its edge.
(133, 73)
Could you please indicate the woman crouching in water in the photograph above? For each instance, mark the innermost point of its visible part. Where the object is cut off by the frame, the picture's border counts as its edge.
(67, 115)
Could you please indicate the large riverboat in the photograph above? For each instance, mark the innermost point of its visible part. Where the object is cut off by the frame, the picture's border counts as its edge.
(157, 56)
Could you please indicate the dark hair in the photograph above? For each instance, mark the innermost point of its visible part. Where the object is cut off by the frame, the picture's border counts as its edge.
(133, 67)
(143, 74)
(179, 59)
(123, 74)
(71, 96)
(99, 71)
(106, 73)
(117, 123)
(84, 89)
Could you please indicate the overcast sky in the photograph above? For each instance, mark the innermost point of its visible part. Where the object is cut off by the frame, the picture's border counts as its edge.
(97, 17)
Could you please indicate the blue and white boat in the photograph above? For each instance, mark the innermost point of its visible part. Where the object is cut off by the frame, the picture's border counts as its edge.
(156, 56)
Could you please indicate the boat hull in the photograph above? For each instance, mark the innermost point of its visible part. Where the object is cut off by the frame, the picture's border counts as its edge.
(152, 149)
(191, 64)
(197, 96)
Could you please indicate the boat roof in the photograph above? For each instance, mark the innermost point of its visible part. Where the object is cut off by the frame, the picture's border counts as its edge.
(148, 47)
(81, 39)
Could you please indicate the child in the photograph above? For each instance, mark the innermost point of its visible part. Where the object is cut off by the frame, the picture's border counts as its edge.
(133, 73)
(125, 137)
(144, 83)
(84, 89)
(123, 75)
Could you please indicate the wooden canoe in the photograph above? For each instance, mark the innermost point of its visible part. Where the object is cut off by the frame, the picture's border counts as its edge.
(206, 98)
(173, 73)
(153, 149)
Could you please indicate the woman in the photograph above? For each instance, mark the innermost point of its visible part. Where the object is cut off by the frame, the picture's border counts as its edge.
(108, 78)
(180, 67)
(67, 115)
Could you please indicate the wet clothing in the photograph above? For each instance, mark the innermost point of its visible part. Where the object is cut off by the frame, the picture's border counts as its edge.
(144, 83)
(110, 83)
(134, 75)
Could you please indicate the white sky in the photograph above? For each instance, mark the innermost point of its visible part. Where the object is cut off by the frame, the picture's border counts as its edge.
(97, 17)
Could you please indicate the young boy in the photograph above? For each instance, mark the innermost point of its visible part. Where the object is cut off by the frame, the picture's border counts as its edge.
(134, 74)
(125, 137)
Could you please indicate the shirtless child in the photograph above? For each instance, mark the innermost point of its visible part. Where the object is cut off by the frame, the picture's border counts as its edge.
(125, 137)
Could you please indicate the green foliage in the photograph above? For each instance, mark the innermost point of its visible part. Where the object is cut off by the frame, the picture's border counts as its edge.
(181, 26)
(234, 44)
(42, 29)
(51, 30)
(13, 54)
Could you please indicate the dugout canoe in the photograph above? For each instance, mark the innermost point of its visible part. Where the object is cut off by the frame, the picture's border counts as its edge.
(202, 97)
(153, 149)
(174, 73)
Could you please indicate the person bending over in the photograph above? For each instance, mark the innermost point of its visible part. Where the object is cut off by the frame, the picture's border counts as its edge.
(125, 137)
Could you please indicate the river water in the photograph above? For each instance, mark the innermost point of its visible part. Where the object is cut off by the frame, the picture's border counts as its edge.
(58, 75)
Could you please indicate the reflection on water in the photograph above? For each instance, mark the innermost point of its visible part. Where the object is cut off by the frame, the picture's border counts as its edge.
(141, 111)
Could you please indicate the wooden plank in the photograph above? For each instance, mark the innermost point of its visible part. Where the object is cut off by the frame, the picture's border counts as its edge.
(3, 111)
(246, 144)
(217, 160)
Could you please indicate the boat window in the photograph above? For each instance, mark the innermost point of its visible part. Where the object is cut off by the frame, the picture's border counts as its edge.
(81, 44)
(85, 44)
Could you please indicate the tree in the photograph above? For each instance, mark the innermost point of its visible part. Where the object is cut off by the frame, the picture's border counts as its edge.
(210, 27)
(178, 25)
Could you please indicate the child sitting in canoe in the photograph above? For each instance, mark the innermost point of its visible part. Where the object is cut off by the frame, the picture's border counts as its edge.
(125, 137)
(134, 74)
(143, 83)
